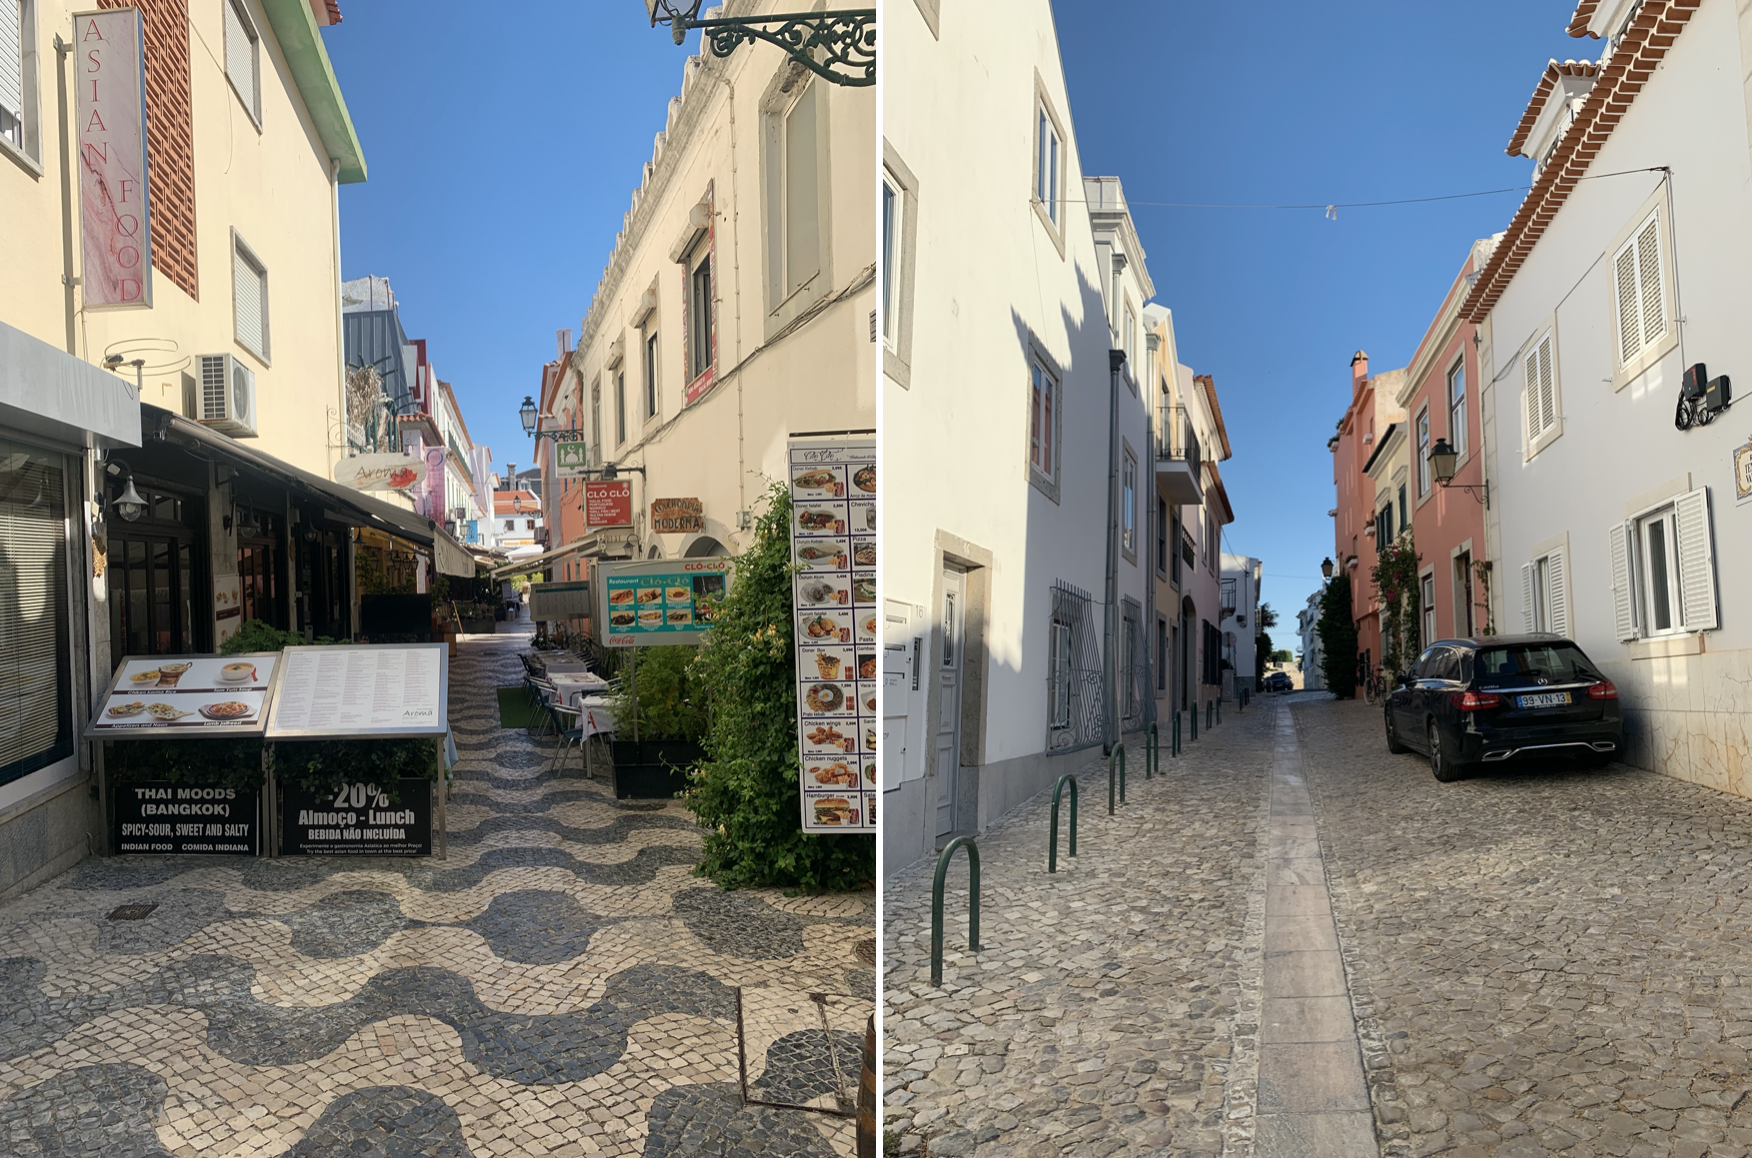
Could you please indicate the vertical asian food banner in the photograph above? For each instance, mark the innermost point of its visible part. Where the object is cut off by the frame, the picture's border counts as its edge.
(833, 544)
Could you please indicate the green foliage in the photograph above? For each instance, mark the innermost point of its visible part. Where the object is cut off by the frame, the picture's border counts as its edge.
(1268, 618)
(745, 791)
(1261, 654)
(1338, 638)
(223, 763)
(255, 635)
(372, 580)
(671, 700)
(1395, 576)
(324, 765)
(1283, 655)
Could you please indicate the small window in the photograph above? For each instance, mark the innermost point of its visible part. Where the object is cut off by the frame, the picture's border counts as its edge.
(243, 58)
(1404, 511)
(1043, 402)
(1423, 453)
(620, 408)
(891, 202)
(1428, 589)
(948, 629)
(1544, 595)
(651, 375)
(1046, 164)
(1128, 532)
(1161, 535)
(249, 284)
(1540, 399)
(1058, 695)
(793, 201)
(529, 524)
(699, 327)
(1639, 291)
(1457, 405)
(18, 74)
(1464, 620)
(1129, 341)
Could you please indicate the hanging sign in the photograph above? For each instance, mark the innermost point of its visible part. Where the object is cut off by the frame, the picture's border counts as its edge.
(1743, 473)
(655, 602)
(607, 503)
(833, 544)
(154, 696)
(110, 111)
(380, 472)
(571, 459)
(677, 516)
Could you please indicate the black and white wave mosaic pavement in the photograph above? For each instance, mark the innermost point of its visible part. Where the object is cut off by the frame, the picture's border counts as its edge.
(560, 984)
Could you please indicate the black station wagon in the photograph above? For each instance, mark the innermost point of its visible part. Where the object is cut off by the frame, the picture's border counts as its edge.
(1468, 702)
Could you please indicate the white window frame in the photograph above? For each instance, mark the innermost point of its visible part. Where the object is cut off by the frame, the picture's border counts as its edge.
(1421, 448)
(1457, 407)
(1687, 557)
(1048, 165)
(1426, 588)
(1545, 591)
(899, 263)
(649, 368)
(1541, 391)
(1044, 426)
(235, 11)
(21, 138)
(240, 250)
(785, 301)
(1649, 222)
(620, 405)
(1128, 503)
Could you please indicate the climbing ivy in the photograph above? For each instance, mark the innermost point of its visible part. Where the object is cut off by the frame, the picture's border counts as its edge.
(746, 790)
(1395, 575)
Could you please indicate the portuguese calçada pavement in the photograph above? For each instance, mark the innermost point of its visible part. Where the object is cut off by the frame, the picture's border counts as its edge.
(561, 983)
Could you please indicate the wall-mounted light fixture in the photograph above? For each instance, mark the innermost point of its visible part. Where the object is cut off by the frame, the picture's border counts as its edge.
(1442, 461)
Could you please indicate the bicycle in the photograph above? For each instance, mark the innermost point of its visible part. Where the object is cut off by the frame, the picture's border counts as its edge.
(1375, 687)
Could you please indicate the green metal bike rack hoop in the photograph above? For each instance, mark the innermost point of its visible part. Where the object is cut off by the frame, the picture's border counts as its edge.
(937, 902)
(1052, 849)
(1118, 756)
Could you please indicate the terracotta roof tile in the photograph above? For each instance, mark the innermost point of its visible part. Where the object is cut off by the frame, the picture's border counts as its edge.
(1547, 81)
(1578, 25)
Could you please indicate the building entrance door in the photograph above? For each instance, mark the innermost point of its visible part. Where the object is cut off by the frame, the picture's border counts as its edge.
(948, 681)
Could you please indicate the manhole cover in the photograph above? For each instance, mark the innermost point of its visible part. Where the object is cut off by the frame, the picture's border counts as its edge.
(866, 951)
(132, 912)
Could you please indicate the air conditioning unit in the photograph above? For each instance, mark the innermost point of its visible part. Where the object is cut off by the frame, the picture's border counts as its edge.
(227, 401)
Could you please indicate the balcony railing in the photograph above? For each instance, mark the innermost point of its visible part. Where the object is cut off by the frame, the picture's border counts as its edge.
(1176, 440)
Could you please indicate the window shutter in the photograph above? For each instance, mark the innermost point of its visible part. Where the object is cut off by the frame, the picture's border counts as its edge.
(247, 289)
(1531, 402)
(1527, 578)
(240, 57)
(1556, 605)
(1623, 604)
(1629, 324)
(12, 57)
(1547, 388)
(1648, 260)
(1696, 561)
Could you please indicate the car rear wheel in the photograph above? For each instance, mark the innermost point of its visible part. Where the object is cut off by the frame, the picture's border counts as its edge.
(1441, 763)
(1393, 744)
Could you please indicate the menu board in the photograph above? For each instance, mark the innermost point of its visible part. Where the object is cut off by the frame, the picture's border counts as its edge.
(158, 816)
(186, 695)
(357, 820)
(833, 543)
(361, 690)
(666, 601)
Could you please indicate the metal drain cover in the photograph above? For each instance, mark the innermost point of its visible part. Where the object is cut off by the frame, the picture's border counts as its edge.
(132, 912)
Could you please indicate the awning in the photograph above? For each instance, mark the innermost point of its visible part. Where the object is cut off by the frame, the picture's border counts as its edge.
(449, 556)
(538, 560)
(48, 392)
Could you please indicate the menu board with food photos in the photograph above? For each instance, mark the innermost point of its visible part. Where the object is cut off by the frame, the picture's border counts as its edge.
(665, 601)
(152, 696)
(833, 543)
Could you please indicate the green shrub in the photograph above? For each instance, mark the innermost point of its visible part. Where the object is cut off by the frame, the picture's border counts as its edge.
(671, 703)
(320, 766)
(746, 791)
(230, 762)
(256, 635)
(1338, 638)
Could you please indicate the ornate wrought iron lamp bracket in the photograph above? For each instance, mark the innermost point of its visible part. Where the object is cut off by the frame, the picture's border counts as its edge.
(838, 46)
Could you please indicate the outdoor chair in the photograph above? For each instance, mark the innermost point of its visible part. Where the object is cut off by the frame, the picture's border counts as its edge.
(567, 732)
(545, 695)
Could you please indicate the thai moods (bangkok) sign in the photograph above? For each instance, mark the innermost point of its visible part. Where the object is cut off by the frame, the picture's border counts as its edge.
(110, 110)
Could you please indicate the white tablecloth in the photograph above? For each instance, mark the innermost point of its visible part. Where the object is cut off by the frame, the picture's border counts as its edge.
(595, 715)
(570, 686)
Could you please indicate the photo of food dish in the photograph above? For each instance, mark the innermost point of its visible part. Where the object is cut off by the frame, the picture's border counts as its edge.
(169, 674)
(824, 698)
(236, 673)
(818, 479)
(835, 774)
(123, 711)
(819, 519)
(870, 626)
(821, 627)
(870, 517)
(650, 594)
(870, 702)
(869, 739)
(678, 594)
(624, 595)
(140, 678)
(652, 618)
(866, 667)
(864, 555)
(834, 810)
(164, 711)
(863, 590)
(622, 618)
(864, 478)
(816, 592)
(828, 736)
(828, 664)
(227, 710)
(870, 773)
(679, 616)
(813, 554)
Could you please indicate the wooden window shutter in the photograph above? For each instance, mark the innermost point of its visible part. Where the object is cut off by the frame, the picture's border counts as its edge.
(1696, 561)
(1623, 598)
(1556, 605)
(1529, 571)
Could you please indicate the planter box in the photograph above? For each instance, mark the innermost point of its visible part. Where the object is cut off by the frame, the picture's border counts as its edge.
(652, 769)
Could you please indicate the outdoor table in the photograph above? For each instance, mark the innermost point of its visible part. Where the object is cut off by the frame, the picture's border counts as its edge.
(565, 667)
(571, 684)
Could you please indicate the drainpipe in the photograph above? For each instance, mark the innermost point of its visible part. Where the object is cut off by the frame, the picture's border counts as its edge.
(1110, 596)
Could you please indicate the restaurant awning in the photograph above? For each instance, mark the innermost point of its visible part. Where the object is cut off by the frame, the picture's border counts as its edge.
(449, 556)
(545, 557)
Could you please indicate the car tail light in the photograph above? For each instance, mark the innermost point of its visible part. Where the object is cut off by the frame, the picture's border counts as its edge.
(1477, 701)
(1604, 690)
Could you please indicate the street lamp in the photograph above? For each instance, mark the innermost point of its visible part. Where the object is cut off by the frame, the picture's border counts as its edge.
(129, 504)
(517, 502)
(1442, 460)
(846, 37)
(1326, 567)
(527, 412)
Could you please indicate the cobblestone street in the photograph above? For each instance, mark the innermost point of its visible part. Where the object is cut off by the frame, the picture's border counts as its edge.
(560, 984)
(1535, 962)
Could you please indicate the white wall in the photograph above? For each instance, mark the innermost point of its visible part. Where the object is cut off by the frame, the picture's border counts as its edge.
(1684, 713)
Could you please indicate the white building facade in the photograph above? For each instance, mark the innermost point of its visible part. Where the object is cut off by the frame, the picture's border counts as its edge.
(1240, 625)
(1613, 526)
(1307, 627)
(1014, 310)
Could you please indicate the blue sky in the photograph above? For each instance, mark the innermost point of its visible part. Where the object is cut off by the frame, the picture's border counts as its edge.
(502, 154)
(1282, 101)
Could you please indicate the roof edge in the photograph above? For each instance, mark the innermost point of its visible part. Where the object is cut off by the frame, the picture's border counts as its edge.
(296, 29)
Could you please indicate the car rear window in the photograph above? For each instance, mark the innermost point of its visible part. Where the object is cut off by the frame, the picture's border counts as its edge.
(1528, 664)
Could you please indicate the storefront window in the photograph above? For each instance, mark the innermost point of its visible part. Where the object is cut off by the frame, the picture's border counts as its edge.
(36, 714)
(155, 585)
